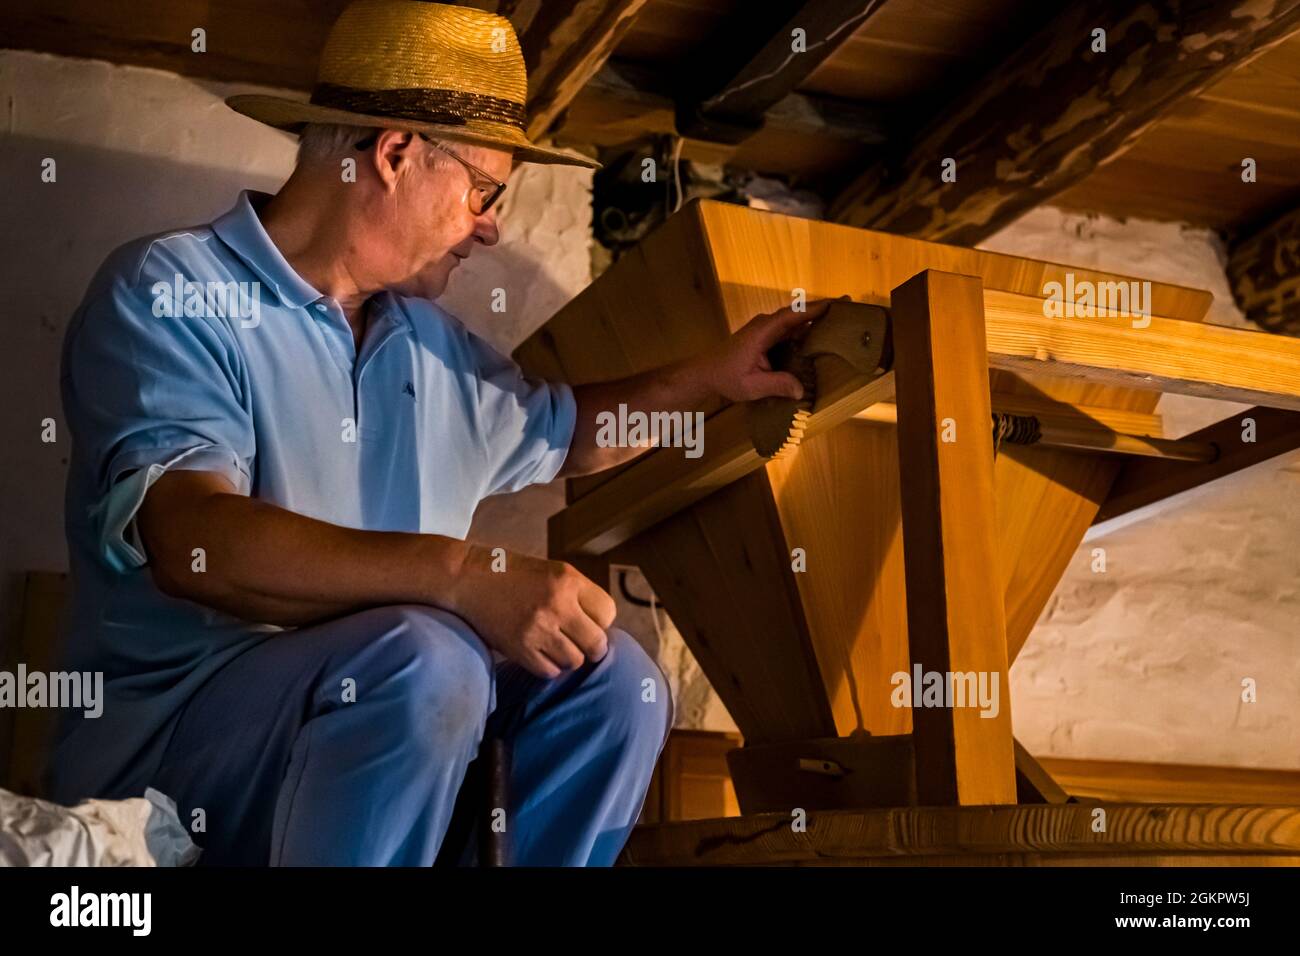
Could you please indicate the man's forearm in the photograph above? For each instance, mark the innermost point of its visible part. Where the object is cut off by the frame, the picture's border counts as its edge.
(263, 563)
(680, 387)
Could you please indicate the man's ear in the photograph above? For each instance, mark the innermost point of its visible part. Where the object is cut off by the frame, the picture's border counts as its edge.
(393, 149)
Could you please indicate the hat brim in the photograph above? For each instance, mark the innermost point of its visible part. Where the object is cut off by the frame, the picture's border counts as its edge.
(290, 115)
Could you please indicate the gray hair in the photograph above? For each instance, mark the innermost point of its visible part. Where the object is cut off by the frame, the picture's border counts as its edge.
(330, 142)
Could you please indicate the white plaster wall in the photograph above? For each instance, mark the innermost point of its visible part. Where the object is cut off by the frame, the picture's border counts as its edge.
(141, 151)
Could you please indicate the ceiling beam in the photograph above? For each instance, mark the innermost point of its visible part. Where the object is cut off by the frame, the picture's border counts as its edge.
(758, 66)
(248, 41)
(278, 44)
(1056, 110)
(635, 87)
(1264, 269)
(565, 43)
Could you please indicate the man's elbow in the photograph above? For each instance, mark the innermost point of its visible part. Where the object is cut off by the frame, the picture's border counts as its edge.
(180, 576)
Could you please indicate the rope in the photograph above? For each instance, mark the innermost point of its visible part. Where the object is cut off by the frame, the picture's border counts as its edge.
(1015, 429)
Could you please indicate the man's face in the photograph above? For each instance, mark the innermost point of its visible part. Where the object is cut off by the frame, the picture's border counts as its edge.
(431, 226)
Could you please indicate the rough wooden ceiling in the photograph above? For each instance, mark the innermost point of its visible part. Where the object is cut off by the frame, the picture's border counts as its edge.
(1157, 127)
(1187, 167)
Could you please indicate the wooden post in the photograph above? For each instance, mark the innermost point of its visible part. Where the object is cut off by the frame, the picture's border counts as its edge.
(955, 618)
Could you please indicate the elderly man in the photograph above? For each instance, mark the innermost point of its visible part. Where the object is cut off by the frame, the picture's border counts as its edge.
(270, 489)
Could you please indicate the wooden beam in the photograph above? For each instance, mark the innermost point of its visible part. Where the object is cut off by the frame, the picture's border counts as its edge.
(1144, 482)
(565, 42)
(1059, 834)
(1264, 269)
(641, 89)
(1168, 355)
(1056, 110)
(752, 74)
(251, 41)
(1122, 780)
(1033, 783)
(955, 618)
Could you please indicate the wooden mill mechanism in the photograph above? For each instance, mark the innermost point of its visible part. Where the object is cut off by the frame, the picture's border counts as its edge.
(899, 534)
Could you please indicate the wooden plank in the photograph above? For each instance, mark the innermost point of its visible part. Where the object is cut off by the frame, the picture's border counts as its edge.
(565, 43)
(725, 579)
(1124, 781)
(955, 618)
(1159, 354)
(1144, 834)
(1055, 111)
(838, 500)
(1264, 269)
(1144, 482)
(756, 64)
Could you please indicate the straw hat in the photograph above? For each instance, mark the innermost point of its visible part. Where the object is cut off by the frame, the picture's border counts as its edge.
(452, 72)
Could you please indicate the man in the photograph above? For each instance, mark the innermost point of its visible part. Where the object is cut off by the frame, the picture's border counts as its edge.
(279, 442)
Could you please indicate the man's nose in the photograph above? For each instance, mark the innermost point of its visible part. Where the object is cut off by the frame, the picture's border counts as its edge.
(485, 228)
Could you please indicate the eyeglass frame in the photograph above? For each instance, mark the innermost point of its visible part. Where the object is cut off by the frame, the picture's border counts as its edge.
(498, 187)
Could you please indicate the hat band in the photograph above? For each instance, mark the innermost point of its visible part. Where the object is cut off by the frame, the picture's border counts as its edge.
(421, 104)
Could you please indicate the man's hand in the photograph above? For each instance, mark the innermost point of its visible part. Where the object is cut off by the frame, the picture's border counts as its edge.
(740, 370)
(544, 615)
(737, 370)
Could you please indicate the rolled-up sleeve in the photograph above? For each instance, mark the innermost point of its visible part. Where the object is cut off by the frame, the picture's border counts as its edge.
(146, 393)
(527, 423)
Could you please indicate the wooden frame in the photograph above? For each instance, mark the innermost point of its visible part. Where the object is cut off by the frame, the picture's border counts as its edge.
(803, 654)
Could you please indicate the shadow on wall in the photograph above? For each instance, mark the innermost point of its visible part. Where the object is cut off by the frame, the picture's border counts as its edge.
(56, 235)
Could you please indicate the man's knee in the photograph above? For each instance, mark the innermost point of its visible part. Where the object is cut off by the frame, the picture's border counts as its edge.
(636, 692)
(439, 670)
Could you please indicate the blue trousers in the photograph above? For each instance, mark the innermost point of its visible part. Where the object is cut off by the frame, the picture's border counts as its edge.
(346, 743)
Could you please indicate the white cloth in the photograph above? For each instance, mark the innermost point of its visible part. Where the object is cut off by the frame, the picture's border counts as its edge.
(141, 831)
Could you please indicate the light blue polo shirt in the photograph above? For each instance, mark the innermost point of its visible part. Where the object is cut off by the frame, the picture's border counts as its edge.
(203, 350)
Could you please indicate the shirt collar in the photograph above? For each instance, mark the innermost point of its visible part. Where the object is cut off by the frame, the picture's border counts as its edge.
(242, 231)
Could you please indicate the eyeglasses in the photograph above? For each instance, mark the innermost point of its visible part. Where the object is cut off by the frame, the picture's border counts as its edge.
(487, 189)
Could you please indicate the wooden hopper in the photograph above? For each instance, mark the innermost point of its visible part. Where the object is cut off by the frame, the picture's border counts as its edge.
(919, 550)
